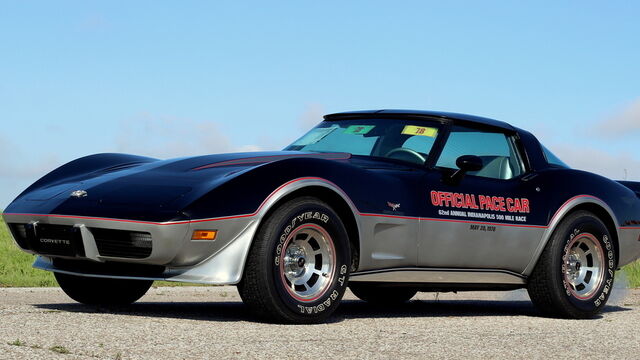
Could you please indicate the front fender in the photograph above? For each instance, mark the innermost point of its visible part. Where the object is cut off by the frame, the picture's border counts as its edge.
(227, 265)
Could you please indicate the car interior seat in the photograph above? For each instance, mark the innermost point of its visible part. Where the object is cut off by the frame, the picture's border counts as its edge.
(496, 167)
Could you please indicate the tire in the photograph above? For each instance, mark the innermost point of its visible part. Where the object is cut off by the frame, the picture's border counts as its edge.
(574, 275)
(298, 266)
(382, 295)
(102, 291)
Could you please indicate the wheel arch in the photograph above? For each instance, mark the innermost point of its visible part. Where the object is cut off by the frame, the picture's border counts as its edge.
(327, 192)
(582, 202)
(606, 218)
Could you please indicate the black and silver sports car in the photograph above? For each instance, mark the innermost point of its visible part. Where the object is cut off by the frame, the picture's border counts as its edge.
(386, 202)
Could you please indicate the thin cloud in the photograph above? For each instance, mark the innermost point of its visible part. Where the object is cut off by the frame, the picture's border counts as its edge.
(618, 166)
(311, 116)
(19, 169)
(624, 124)
(168, 137)
(14, 164)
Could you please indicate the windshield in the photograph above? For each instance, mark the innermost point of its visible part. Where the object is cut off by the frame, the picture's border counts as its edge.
(407, 140)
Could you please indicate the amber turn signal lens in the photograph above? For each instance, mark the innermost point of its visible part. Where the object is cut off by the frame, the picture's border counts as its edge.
(204, 235)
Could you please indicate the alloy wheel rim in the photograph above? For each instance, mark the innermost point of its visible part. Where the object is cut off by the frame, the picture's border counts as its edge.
(583, 266)
(308, 262)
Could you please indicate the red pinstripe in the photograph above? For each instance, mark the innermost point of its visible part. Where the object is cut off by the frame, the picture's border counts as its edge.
(257, 159)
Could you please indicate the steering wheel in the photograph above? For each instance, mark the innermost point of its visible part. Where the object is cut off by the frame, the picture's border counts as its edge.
(414, 155)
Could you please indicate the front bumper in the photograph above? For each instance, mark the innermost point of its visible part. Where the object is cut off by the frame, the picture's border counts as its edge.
(164, 246)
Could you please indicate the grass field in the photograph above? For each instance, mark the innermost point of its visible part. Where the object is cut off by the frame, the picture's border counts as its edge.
(16, 270)
(15, 265)
(633, 274)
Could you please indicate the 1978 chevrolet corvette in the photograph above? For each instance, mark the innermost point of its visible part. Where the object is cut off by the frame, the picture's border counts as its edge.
(386, 202)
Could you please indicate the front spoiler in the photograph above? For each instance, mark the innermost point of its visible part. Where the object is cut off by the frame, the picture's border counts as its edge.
(224, 268)
(218, 262)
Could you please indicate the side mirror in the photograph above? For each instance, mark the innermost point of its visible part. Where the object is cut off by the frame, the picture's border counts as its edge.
(465, 164)
(469, 163)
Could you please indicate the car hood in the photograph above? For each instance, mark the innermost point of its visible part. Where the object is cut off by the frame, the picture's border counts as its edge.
(140, 187)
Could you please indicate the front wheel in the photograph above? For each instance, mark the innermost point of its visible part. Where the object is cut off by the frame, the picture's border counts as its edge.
(102, 291)
(574, 275)
(298, 266)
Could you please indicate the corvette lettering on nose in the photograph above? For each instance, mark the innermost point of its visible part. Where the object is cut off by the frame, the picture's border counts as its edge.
(55, 241)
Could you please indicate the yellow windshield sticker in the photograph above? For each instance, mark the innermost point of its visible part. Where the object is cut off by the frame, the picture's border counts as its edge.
(420, 130)
(359, 129)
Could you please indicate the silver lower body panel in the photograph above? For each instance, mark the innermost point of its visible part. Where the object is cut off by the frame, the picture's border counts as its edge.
(440, 276)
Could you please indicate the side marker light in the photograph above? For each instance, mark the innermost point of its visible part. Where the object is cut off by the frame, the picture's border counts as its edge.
(204, 235)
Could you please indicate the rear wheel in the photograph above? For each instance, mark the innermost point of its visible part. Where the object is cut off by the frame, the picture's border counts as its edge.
(382, 295)
(575, 273)
(102, 291)
(298, 266)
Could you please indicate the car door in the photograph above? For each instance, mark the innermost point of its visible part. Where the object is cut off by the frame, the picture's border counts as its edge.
(484, 220)
(392, 233)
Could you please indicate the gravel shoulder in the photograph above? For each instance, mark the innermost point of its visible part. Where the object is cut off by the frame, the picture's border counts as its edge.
(211, 322)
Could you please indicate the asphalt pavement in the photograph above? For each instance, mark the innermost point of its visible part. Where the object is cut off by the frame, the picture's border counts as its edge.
(211, 323)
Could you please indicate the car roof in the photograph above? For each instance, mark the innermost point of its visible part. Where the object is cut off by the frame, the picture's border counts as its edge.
(420, 113)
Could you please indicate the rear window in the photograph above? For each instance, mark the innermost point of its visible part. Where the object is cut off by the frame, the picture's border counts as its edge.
(552, 159)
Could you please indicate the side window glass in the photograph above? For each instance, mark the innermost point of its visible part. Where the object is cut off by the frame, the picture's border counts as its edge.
(497, 151)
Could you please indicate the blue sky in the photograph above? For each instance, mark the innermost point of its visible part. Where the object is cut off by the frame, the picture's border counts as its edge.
(174, 78)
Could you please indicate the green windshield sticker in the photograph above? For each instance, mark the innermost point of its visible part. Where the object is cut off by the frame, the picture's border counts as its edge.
(359, 129)
(314, 136)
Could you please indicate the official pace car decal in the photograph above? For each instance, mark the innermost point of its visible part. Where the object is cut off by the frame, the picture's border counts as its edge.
(462, 205)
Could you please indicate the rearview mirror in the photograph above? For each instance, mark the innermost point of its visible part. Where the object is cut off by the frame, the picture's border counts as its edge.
(465, 164)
